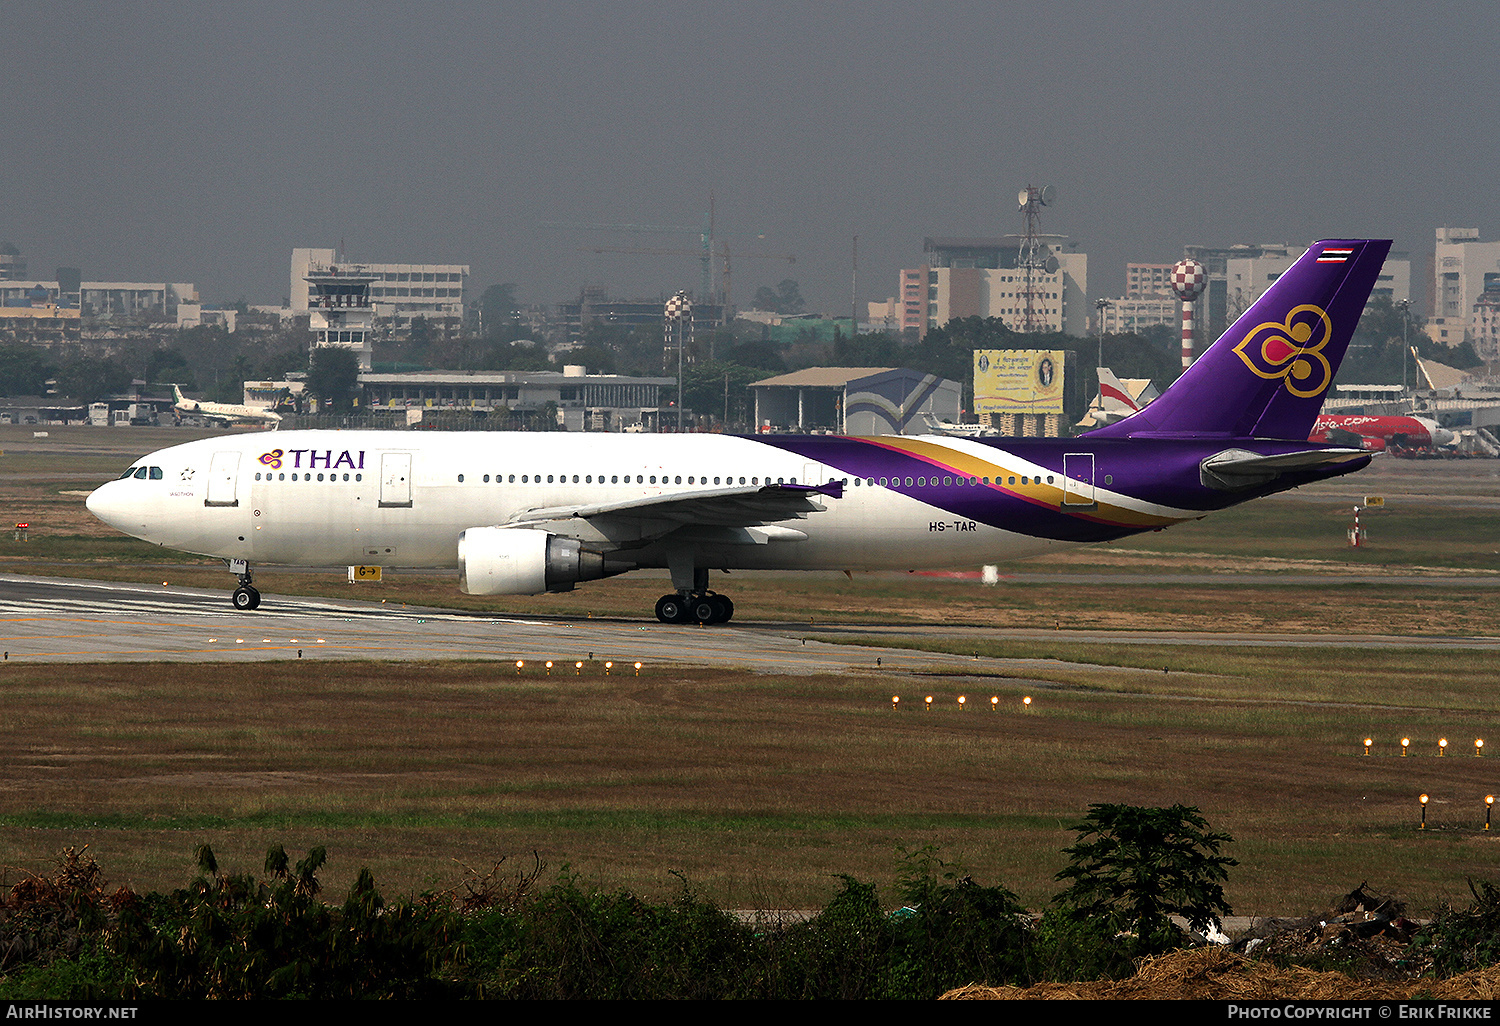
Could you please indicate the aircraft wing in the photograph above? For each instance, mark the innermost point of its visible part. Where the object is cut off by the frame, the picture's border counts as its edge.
(748, 506)
(1233, 469)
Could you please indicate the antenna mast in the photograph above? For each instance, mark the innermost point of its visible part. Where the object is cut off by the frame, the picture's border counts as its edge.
(1035, 260)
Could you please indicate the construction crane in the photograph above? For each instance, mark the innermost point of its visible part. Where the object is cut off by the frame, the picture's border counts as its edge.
(726, 297)
(704, 253)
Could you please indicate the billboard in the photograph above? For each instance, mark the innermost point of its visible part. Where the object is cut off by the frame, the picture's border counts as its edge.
(1019, 380)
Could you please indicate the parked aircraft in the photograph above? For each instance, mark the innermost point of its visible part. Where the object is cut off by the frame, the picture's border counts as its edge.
(1374, 434)
(947, 427)
(529, 513)
(1114, 401)
(224, 413)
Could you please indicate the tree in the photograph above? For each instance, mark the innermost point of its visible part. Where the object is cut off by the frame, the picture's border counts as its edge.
(498, 307)
(334, 376)
(786, 298)
(1133, 866)
(24, 370)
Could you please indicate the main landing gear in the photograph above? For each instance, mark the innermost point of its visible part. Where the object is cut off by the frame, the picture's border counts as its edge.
(707, 607)
(245, 597)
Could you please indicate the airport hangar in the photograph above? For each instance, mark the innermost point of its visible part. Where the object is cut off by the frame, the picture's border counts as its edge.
(855, 400)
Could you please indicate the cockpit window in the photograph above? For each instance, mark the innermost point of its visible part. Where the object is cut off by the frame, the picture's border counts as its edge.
(129, 472)
(156, 473)
(140, 474)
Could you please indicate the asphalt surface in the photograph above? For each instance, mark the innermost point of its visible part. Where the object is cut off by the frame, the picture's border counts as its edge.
(59, 620)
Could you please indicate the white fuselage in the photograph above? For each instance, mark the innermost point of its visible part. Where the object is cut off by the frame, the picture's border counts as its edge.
(327, 498)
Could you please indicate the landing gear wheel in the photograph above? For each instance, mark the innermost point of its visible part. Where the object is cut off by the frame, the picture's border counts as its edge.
(245, 598)
(671, 609)
(728, 608)
(706, 610)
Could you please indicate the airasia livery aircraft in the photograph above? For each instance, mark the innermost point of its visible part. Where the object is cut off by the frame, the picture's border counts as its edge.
(1374, 434)
(522, 514)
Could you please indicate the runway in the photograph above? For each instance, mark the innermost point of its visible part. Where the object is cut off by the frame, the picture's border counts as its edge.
(62, 620)
(58, 620)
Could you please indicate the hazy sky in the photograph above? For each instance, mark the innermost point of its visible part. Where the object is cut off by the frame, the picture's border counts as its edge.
(202, 141)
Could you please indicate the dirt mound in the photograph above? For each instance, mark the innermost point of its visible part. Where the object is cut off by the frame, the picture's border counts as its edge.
(1218, 974)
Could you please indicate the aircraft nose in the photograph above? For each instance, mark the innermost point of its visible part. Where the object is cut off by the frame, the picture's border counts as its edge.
(108, 503)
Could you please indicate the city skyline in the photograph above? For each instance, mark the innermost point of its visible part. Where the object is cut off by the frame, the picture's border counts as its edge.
(204, 142)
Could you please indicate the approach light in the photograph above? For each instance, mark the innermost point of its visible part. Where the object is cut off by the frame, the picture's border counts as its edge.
(994, 702)
(1405, 744)
(549, 667)
(520, 665)
(1423, 824)
(895, 701)
(1026, 701)
(1368, 743)
(928, 702)
(1478, 746)
(1442, 746)
(637, 669)
(609, 665)
(961, 701)
(578, 668)
(1489, 802)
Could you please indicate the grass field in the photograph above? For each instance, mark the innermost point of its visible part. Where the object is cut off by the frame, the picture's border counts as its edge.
(762, 789)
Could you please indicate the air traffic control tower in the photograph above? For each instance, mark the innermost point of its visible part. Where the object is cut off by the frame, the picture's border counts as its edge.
(339, 311)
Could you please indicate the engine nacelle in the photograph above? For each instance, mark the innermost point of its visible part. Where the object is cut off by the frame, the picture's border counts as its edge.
(519, 561)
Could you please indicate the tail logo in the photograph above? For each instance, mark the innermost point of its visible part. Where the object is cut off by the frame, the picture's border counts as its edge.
(1292, 350)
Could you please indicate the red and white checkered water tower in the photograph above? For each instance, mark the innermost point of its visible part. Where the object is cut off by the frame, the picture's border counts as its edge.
(1189, 279)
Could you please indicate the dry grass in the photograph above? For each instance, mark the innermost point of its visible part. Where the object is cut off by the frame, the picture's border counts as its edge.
(760, 789)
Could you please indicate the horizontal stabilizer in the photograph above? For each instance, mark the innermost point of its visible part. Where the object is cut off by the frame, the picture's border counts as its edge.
(1236, 469)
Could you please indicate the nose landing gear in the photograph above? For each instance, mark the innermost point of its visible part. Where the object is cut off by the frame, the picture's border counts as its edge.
(245, 597)
(705, 608)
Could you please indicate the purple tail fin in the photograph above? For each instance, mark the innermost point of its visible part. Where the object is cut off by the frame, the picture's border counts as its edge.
(1266, 376)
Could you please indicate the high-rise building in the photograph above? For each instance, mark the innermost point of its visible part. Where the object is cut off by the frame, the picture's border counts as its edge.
(399, 293)
(980, 277)
(1463, 269)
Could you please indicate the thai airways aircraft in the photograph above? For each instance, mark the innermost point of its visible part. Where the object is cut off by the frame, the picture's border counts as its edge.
(522, 514)
(1374, 434)
(225, 413)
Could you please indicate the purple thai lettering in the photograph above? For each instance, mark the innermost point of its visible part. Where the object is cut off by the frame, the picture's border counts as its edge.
(344, 460)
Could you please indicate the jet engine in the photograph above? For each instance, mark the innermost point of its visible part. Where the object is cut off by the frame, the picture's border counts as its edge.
(519, 561)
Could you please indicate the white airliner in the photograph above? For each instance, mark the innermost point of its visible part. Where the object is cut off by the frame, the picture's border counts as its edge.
(523, 513)
(224, 413)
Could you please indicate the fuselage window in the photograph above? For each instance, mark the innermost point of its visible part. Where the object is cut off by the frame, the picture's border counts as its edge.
(320, 477)
(1049, 478)
(257, 476)
(575, 478)
(486, 479)
(947, 480)
(294, 477)
(460, 478)
(549, 478)
(281, 477)
(1109, 479)
(908, 482)
(921, 482)
(1013, 479)
(678, 480)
